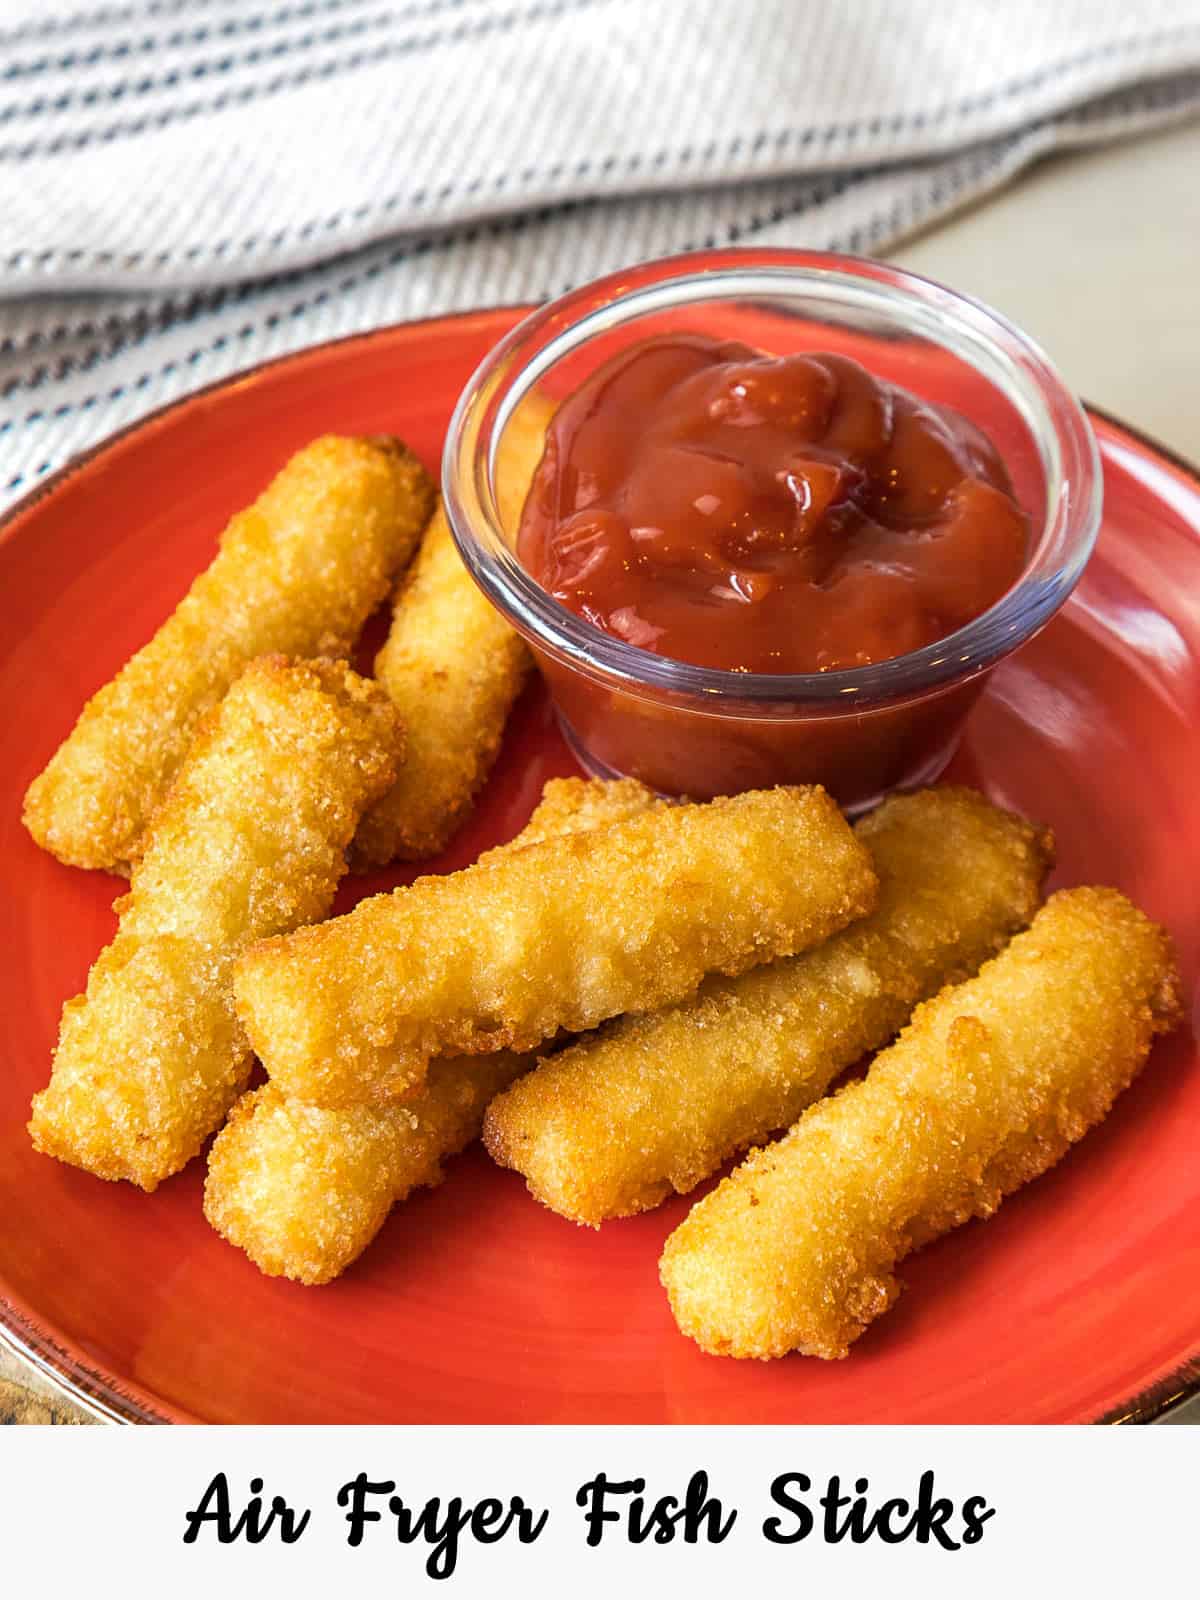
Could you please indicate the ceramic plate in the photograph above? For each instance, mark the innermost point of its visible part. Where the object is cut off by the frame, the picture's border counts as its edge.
(476, 1305)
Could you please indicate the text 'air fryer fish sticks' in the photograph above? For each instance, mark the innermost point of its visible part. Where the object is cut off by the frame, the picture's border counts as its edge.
(987, 1088)
(651, 1104)
(303, 1189)
(297, 574)
(250, 841)
(561, 935)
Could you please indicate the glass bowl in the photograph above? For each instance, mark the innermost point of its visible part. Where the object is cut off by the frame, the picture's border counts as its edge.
(701, 731)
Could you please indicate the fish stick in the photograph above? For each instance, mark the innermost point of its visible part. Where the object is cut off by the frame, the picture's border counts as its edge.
(297, 574)
(302, 1189)
(654, 1104)
(251, 840)
(454, 668)
(988, 1087)
(560, 935)
(579, 805)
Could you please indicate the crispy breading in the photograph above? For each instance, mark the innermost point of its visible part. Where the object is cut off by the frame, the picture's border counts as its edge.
(988, 1086)
(654, 1104)
(579, 805)
(454, 667)
(297, 573)
(303, 1190)
(251, 840)
(562, 934)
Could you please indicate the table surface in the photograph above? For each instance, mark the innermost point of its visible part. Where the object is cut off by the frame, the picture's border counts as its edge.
(1092, 254)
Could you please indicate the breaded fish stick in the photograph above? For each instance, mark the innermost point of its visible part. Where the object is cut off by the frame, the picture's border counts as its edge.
(655, 1103)
(298, 573)
(453, 668)
(987, 1088)
(579, 805)
(303, 1190)
(560, 935)
(251, 840)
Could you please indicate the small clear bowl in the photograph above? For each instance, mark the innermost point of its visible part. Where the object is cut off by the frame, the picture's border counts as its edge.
(701, 731)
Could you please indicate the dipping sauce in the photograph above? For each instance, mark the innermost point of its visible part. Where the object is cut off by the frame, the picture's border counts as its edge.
(765, 514)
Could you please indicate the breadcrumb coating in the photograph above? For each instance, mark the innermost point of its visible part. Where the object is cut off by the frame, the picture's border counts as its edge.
(563, 934)
(579, 805)
(988, 1086)
(303, 1190)
(654, 1104)
(454, 668)
(250, 841)
(298, 573)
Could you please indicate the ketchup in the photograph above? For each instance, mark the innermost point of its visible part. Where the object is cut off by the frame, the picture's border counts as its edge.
(767, 514)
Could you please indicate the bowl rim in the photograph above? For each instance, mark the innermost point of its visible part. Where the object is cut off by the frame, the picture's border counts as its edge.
(1066, 444)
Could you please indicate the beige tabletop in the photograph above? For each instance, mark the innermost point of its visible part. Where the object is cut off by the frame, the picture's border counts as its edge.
(1095, 255)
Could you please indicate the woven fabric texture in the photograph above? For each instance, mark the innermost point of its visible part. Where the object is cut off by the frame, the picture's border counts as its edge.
(188, 187)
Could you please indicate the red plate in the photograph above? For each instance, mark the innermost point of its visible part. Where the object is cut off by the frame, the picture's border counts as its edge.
(475, 1305)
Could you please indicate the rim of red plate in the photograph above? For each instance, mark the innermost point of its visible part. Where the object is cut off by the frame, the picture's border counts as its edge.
(62, 1363)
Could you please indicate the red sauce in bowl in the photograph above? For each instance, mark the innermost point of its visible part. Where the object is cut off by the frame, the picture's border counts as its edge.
(767, 514)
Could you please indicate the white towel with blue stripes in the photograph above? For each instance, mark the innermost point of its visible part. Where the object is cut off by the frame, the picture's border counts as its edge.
(190, 186)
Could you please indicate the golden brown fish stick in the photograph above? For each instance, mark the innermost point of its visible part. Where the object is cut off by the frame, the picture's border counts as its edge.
(251, 840)
(560, 935)
(652, 1104)
(303, 1190)
(297, 573)
(454, 668)
(579, 805)
(987, 1088)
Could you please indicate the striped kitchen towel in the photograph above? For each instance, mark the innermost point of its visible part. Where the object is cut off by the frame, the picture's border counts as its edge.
(190, 186)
